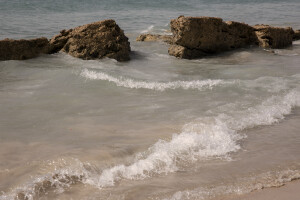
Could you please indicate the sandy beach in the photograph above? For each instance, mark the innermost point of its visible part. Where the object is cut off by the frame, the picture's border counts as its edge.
(289, 191)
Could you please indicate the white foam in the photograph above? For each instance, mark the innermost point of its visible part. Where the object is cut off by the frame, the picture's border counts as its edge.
(149, 28)
(203, 139)
(66, 173)
(213, 139)
(269, 112)
(159, 86)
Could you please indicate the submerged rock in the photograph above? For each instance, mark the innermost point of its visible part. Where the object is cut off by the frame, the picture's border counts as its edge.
(155, 37)
(23, 49)
(196, 37)
(273, 37)
(93, 41)
(184, 52)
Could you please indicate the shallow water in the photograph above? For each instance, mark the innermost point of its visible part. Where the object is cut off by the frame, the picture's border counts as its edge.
(152, 128)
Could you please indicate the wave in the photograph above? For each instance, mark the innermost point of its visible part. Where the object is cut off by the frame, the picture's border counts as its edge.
(149, 28)
(163, 29)
(203, 139)
(267, 83)
(71, 172)
(159, 86)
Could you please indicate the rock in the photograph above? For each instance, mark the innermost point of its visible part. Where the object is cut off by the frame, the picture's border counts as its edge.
(273, 37)
(239, 35)
(183, 52)
(296, 35)
(59, 41)
(93, 41)
(208, 35)
(155, 37)
(195, 37)
(23, 49)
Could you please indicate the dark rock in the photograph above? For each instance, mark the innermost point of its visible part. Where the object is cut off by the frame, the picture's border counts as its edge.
(93, 41)
(273, 37)
(296, 35)
(23, 49)
(155, 37)
(183, 52)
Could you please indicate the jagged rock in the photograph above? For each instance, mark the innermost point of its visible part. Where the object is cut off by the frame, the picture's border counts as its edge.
(273, 37)
(59, 41)
(155, 37)
(296, 35)
(208, 35)
(23, 49)
(93, 41)
(200, 36)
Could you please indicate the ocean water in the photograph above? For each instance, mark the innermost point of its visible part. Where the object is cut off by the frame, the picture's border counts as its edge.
(155, 127)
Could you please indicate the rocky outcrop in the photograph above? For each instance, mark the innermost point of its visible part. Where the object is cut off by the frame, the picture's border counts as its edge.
(23, 49)
(93, 41)
(273, 37)
(208, 35)
(296, 35)
(155, 37)
(196, 37)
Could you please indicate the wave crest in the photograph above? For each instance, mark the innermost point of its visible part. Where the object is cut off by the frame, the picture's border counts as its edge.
(204, 138)
(159, 86)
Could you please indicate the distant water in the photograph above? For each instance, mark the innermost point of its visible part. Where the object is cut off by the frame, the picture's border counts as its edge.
(155, 127)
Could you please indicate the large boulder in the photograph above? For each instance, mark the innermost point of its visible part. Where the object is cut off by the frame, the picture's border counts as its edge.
(155, 37)
(93, 41)
(208, 35)
(23, 49)
(196, 37)
(273, 37)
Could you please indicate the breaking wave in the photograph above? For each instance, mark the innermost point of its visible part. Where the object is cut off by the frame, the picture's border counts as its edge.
(159, 86)
(148, 29)
(202, 139)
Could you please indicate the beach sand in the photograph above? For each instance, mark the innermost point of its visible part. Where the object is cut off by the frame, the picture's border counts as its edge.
(290, 191)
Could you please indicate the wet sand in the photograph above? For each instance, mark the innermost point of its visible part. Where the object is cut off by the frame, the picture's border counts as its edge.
(289, 191)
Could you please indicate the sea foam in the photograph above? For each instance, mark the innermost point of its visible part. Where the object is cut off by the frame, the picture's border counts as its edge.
(204, 138)
(159, 86)
(149, 28)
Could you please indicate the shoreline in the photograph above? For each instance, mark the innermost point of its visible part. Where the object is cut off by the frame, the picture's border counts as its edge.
(289, 190)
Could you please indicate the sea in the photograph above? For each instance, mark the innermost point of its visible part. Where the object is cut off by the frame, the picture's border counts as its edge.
(155, 127)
